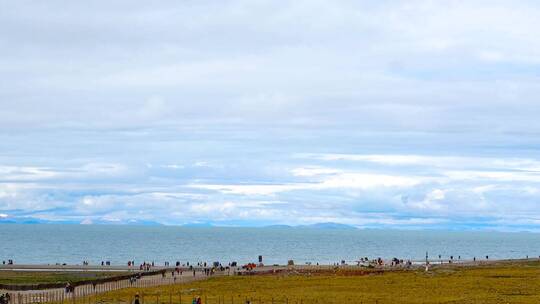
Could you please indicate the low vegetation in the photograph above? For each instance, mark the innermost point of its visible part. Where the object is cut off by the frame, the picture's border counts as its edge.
(499, 283)
(41, 277)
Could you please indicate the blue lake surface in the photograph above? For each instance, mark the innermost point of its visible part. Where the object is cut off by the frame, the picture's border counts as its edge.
(49, 244)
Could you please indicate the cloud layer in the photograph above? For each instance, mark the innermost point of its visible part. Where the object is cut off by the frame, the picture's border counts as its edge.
(411, 114)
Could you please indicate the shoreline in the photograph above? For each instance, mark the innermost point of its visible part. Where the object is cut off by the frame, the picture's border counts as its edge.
(120, 268)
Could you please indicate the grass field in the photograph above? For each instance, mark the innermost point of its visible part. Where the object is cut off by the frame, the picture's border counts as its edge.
(36, 277)
(501, 283)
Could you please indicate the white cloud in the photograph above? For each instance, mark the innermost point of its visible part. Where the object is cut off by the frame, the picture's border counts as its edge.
(314, 171)
(501, 176)
(334, 181)
(432, 201)
(435, 161)
(251, 189)
(367, 181)
(26, 173)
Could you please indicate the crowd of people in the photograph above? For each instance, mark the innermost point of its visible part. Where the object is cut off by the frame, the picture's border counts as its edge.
(146, 266)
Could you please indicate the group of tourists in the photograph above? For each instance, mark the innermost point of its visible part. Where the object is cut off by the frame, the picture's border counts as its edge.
(146, 266)
(401, 262)
(5, 298)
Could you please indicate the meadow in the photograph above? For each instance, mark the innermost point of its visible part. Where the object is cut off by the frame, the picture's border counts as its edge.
(44, 277)
(511, 282)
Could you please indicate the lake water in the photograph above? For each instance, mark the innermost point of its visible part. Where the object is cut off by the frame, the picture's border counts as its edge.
(46, 243)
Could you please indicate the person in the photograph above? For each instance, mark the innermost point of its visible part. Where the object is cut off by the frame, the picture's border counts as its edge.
(199, 301)
(4, 298)
(136, 300)
(194, 300)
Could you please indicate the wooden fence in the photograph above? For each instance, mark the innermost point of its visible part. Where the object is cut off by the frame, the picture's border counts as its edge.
(88, 291)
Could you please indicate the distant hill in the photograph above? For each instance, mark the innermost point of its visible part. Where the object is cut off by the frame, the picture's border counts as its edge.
(278, 226)
(330, 225)
(199, 225)
(33, 220)
(327, 225)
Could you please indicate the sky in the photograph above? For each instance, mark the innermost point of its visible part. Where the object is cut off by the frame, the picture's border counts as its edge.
(376, 114)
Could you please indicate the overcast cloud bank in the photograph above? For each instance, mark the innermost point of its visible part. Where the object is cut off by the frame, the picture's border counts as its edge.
(419, 114)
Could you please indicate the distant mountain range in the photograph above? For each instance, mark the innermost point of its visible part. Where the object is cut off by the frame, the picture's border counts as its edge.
(330, 225)
(32, 220)
(327, 225)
